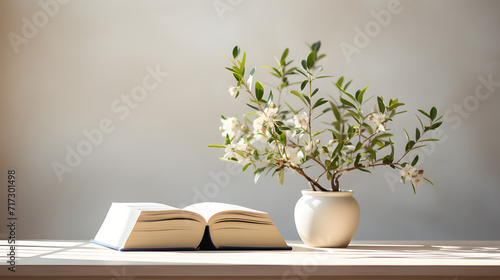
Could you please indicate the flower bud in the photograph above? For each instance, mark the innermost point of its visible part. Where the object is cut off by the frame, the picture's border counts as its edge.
(243, 127)
(220, 128)
(272, 105)
(318, 141)
(233, 90)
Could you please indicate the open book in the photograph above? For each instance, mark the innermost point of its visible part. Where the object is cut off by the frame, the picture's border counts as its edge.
(206, 225)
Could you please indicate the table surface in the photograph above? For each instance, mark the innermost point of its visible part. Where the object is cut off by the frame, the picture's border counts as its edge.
(52, 258)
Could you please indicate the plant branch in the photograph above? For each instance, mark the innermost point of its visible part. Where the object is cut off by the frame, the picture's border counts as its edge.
(309, 179)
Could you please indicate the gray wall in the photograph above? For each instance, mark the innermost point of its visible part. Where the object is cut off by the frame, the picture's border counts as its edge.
(68, 73)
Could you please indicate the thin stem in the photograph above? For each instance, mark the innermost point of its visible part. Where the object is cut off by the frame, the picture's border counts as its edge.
(421, 136)
(310, 110)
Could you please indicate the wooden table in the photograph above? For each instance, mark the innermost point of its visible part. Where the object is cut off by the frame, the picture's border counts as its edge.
(451, 260)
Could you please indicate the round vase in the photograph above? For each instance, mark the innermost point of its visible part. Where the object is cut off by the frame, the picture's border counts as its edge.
(327, 219)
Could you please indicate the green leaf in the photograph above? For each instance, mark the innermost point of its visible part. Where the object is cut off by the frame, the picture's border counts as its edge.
(283, 57)
(417, 134)
(237, 77)
(338, 149)
(424, 113)
(340, 81)
(294, 112)
(345, 102)
(383, 135)
(315, 91)
(358, 146)
(323, 77)
(436, 125)
(246, 166)
(325, 149)
(429, 140)
(347, 85)
(364, 170)
(356, 162)
(362, 92)
(282, 174)
(236, 51)
(421, 124)
(409, 145)
(307, 99)
(381, 105)
(320, 102)
(407, 136)
(242, 64)
(304, 65)
(296, 93)
(216, 146)
(415, 160)
(394, 106)
(387, 159)
(433, 113)
(302, 73)
(315, 47)
(259, 90)
(311, 59)
(257, 174)
(429, 181)
(276, 72)
(253, 107)
(346, 93)
(336, 112)
(303, 85)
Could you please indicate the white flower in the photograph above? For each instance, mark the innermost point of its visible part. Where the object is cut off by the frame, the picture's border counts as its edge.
(258, 125)
(417, 180)
(229, 152)
(246, 150)
(230, 127)
(330, 143)
(408, 172)
(309, 149)
(264, 120)
(244, 156)
(378, 120)
(301, 121)
(233, 90)
(270, 112)
(293, 155)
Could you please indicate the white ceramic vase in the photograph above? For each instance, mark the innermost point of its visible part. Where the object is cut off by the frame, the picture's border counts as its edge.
(327, 219)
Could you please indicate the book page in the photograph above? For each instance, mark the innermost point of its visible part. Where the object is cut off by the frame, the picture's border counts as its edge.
(208, 209)
(148, 206)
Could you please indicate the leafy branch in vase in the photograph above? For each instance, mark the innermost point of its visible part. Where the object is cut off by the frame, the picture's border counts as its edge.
(274, 137)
